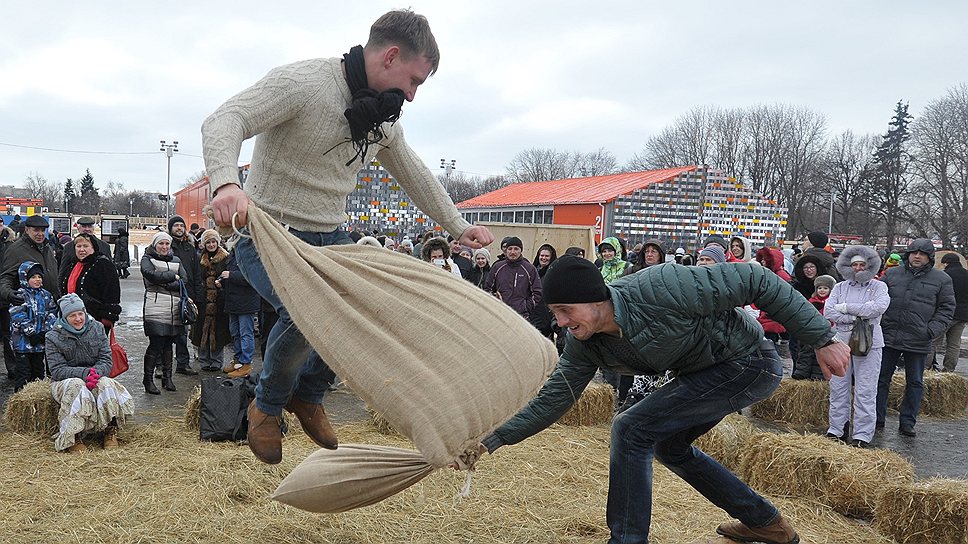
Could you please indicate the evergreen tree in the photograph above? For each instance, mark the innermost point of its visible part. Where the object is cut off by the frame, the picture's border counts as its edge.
(89, 201)
(70, 198)
(887, 174)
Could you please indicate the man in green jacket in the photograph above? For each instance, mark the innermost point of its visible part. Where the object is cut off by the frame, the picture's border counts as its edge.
(683, 319)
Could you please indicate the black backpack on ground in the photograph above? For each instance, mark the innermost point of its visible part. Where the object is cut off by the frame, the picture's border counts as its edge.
(222, 410)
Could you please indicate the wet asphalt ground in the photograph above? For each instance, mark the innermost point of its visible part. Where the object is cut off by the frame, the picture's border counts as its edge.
(940, 448)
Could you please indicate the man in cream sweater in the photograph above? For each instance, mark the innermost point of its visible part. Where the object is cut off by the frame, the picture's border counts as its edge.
(316, 123)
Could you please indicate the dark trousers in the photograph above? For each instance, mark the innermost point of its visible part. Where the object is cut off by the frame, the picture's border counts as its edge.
(182, 355)
(29, 367)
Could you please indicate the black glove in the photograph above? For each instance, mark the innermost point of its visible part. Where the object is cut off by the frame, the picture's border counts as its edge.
(36, 339)
(16, 299)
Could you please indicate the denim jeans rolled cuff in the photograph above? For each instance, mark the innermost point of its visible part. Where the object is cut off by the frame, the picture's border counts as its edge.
(290, 366)
(665, 424)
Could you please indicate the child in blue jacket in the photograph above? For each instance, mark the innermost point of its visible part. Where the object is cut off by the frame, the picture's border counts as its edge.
(29, 322)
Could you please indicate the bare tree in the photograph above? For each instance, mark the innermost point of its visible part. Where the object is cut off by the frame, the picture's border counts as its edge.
(40, 187)
(940, 146)
(842, 167)
(536, 164)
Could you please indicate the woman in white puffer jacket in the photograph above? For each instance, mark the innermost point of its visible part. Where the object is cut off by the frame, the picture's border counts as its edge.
(858, 296)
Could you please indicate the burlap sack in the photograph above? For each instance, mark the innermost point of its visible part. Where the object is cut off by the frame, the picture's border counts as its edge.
(442, 360)
(352, 476)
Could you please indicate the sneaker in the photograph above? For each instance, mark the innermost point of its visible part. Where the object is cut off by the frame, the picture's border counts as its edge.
(858, 443)
(779, 532)
(834, 437)
(241, 372)
(111, 437)
(907, 430)
(235, 364)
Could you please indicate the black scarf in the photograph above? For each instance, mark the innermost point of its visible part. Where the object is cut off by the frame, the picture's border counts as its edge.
(369, 109)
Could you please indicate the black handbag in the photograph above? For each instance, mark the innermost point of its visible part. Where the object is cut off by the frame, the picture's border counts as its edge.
(222, 408)
(187, 307)
(861, 337)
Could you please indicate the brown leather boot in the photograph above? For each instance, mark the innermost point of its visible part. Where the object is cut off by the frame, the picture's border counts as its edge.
(312, 417)
(779, 532)
(264, 435)
(78, 446)
(111, 437)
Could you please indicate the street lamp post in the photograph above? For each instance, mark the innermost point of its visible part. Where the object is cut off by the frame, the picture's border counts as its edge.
(169, 150)
(131, 207)
(448, 168)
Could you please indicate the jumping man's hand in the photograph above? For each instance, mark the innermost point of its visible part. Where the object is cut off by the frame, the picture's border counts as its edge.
(474, 237)
(229, 200)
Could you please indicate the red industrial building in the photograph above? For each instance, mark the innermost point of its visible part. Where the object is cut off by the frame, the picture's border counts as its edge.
(679, 206)
(191, 200)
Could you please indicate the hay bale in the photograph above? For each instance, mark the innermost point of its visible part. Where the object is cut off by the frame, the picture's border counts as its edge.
(727, 441)
(848, 479)
(933, 511)
(32, 410)
(595, 406)
(193, 408)
(797, 404)
(945, 393)
(549, 489)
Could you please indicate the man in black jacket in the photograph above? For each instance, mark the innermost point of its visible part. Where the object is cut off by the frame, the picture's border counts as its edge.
(85, 225)
(950, 342)
(922, 305)
(32, 246)
(183, 246)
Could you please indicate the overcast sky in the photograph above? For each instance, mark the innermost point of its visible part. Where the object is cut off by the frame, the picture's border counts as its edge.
(571, 75)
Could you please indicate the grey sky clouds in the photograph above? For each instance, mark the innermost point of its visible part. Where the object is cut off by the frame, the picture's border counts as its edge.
(569, 75)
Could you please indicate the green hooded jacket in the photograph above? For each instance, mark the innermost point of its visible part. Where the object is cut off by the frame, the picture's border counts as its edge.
(672, 317)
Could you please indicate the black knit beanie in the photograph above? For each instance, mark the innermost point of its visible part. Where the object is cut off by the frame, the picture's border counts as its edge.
(573, 280)
(513, 241)
(817, 239)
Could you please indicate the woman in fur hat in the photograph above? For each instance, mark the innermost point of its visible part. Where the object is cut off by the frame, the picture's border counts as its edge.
(858, 296)
(211, 333)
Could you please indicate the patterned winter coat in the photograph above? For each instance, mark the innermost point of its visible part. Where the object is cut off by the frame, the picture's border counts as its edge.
(212, 329)
(32, 319)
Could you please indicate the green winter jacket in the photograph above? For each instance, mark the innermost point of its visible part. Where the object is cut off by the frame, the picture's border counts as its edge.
(675, 318)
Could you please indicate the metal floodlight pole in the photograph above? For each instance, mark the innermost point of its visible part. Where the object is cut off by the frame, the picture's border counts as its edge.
(169, 149)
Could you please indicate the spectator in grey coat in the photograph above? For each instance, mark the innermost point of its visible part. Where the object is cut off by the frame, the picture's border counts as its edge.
(922, 305)
(949, 343)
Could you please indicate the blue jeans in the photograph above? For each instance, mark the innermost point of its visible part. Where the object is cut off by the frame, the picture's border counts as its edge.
(242, 328)
(913, 384)
(290, 366)
(665, 424)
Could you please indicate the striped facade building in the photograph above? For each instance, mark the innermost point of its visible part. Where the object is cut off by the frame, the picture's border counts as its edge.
(679, 206)
(380, 203)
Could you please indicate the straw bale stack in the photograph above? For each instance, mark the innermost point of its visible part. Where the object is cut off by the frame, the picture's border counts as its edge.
(595, 406)
(933, 511)
(848, 479)
(549, 489)
(32, 410)
(727, 441)
(798, 404)
(945, 394)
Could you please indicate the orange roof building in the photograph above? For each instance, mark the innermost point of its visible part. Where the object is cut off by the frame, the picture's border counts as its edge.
(679, 206)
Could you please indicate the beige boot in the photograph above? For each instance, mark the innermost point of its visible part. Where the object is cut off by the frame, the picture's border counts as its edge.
(78, 446)
(111, 437)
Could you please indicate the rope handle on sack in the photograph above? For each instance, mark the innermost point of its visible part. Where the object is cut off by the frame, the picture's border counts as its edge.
(466, 461)
(236, 229)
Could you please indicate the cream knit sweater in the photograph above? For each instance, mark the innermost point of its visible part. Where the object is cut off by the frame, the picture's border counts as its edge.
(296, 112)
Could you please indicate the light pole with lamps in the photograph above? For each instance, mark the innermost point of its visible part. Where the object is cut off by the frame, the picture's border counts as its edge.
(169, 150)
